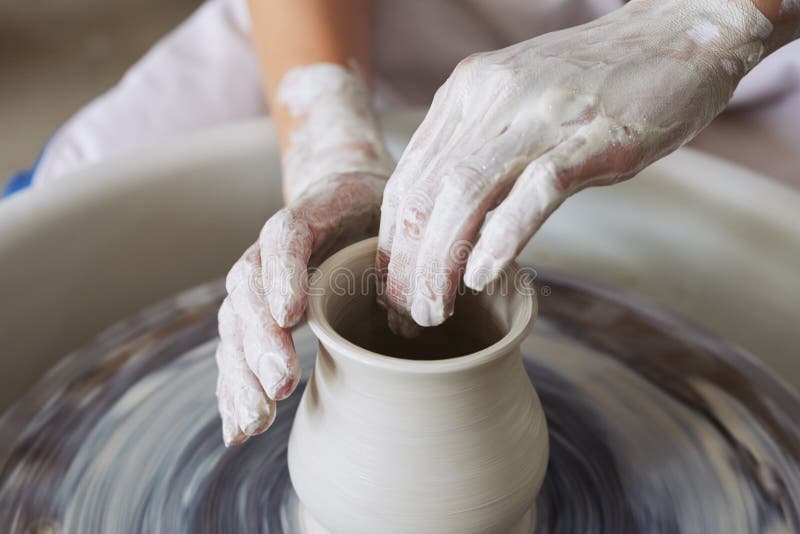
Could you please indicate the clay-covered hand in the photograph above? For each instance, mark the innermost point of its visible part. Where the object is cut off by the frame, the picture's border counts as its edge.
(521, 129)
(335, 170)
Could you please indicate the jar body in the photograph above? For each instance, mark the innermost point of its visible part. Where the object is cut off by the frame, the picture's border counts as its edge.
(373, 450)
(393, 445)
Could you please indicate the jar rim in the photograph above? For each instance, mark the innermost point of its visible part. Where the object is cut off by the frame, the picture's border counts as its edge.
(335, 342)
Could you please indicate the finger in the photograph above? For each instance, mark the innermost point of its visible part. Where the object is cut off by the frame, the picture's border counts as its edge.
(599, 153)
(245, 270)
(410, 228)
(471, 189)
(343, 212)
(411, 224)
(286, 246)
(270, 352)
(389, 205)
(429, 139)
(231, 433)
(268, 348)
(253, 411)
(339, 212)
(541, 188)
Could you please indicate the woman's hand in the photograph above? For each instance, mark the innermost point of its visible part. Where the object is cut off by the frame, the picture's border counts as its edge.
(267, 296)
(335, 169)
(521, 129)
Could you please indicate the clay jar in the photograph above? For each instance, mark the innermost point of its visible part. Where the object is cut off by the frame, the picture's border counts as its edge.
(394, 445)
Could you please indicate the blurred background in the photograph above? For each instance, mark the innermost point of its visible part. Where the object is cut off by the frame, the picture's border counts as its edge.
(56, 56)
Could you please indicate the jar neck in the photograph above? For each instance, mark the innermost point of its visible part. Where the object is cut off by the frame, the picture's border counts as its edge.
(355, 393)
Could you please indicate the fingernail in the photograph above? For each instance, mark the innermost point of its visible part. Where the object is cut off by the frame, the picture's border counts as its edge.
(287, 302)
(289, 314)
(276, 374)
(281, 315)
(252, 411)
(286, 390)
(230, 434)
(227, 434)
(428, 312)
(256, 425)
(481, 269)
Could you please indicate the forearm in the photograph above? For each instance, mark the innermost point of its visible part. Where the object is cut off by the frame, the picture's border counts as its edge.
(305, 32)
(315, 61)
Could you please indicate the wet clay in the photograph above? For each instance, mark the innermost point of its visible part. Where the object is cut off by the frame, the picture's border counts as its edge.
(469, 330)
(655, 427)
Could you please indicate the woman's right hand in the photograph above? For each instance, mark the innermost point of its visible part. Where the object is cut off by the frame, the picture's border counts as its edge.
(335, 169)
(267, 296)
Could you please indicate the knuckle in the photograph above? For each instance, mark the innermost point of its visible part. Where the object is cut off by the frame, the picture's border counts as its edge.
(467, 185)
(390, 197)
(226, 319)
(252, 256)
(500, 76)
(438, 102)
(281, 219)
(467, 181)
(463, 72)
(415, 213)
(233, 277)
(485, 65)
(471, 61)
(478, 76)
(288, 233)
(225, 313)
(243, 268)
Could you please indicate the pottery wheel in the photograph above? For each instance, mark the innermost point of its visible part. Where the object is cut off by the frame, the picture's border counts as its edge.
(655, 427)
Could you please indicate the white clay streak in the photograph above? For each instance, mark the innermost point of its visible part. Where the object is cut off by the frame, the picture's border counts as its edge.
(337, 131)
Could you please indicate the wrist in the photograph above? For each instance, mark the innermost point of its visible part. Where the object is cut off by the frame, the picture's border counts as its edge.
(330, 126)
(785, 17)
(732, 36)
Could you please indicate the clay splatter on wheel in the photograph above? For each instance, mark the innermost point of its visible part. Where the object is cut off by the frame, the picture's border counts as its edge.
(655, 427)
